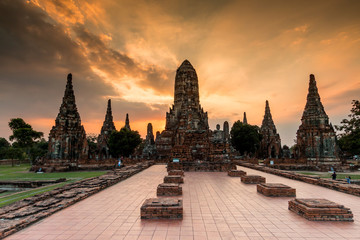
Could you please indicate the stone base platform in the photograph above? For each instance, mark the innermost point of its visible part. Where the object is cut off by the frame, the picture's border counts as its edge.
(169, 189)
(158, 208)
(276, 190)
(315, 209)
(176, 173)
(252, 179)
(236, 173)
(173, 179)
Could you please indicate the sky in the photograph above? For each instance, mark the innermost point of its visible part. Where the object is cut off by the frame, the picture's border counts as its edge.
(244, 53)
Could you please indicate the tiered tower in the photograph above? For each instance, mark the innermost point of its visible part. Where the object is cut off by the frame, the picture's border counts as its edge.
(127, 122)
(186, 134)
(149, 147)
(107, 128)
(245, 119)
(67, 139)
(316, 139)
(270, 145)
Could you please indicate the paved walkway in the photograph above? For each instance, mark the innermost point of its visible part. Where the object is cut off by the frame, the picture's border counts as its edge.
(215, 207)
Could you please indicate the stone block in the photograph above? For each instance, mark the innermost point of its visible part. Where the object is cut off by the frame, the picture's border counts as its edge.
(173, 179)
(236, 173)
(276, 190)
(176, 173)
(158, 208)
(315, 209)
(252, 179)
(169, 189)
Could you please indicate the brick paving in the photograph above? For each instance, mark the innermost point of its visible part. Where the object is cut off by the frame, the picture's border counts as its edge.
(216, 206)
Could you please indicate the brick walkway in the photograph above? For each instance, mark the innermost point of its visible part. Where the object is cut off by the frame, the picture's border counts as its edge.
(216, 206)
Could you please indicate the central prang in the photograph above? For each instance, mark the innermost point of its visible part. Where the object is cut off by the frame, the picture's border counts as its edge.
(187, 136)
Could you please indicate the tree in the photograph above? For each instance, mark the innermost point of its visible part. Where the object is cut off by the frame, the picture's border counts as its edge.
(92, 142)
(14, 153)
(349, 138)
(4, 145)
(123, 142)
(245, 137)
(38, 150)
(23, 134)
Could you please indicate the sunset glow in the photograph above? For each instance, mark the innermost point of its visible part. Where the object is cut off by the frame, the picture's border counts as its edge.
(244, 52)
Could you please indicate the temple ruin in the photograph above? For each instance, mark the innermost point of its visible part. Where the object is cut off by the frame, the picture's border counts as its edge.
(127, 122)
(67, 139)
(149, 150)
(316, 139)
(270, 145)
(187, 136)
(107, 128)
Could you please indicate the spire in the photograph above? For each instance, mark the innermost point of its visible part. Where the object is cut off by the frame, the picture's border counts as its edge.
(127, 122)
(245, 119)
(109, 117)
(186, 86)
(268, 123)
(108, 125)
(67, 139)
(313, 108)
(226, 131)
(150, 134)
(68, 106)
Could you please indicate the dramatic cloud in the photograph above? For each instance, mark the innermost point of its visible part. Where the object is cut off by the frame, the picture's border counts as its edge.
(245, 52)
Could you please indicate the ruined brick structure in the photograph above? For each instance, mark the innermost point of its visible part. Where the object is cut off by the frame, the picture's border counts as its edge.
(187, 136)
(316, 139)
(149, 150)
(67, 139)
(107, 128)
(270, 145)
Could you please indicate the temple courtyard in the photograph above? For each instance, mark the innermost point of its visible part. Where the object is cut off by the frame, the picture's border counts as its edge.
(216, 206)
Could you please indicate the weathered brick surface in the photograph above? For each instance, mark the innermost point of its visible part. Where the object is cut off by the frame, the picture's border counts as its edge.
(19, 215)
(176, 173)
(158, 208)
(236, 173)
(276, 190)
(173, 179)
(252, 179)
(169, 189)
(314, 209)
(328, 183)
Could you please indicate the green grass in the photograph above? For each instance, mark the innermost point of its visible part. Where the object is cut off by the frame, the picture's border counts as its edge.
(21, 173)
(328, 175)
(310, 173)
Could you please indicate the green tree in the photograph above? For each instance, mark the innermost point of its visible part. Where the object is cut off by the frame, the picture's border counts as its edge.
(38, 150)
(14, 153)
(92, 142)
(245, 137)
(24, 136)
(349, 138)
(4, 145)
(123, 142)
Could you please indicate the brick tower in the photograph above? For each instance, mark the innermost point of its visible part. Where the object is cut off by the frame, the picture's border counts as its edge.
(67, 139)
(316, 139)
(270, 145)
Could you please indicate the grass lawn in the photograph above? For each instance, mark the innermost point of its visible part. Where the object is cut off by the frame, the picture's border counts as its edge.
(22, 173)
(328, 175)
